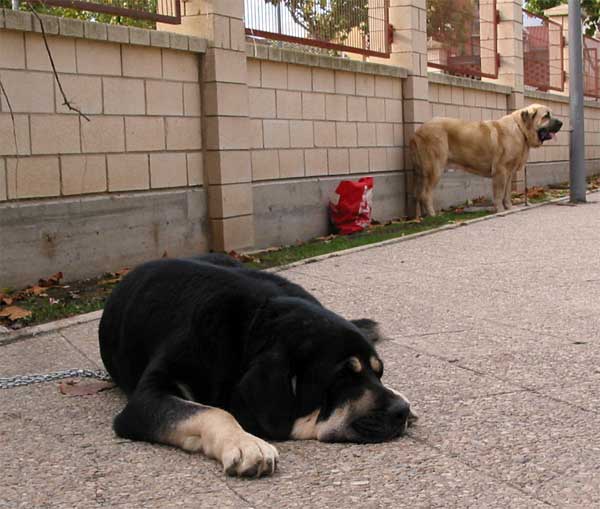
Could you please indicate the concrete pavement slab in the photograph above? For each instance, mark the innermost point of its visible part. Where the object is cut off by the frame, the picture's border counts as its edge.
(535, 367)
(398, 310)
(84, 338)
(401, 474)
(427, 380)
(522, 438)
(461, 345)
(49, 352)
(578, 487)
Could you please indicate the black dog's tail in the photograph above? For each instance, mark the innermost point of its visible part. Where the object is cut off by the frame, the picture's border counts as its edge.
(369, 328)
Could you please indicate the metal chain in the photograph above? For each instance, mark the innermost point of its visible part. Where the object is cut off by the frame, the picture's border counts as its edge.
(23, 380)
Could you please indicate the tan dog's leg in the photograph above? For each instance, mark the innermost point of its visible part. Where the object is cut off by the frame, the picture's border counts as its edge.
(428, 199)
(429, 179)
(507, 201)
(499, 186)
(508, 190)
(428, 167)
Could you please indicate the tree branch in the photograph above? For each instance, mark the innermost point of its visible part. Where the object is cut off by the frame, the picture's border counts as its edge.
(12, 116)
(64, 96)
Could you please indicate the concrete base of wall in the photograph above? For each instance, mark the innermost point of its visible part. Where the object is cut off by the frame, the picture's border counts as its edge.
(457, 186)
(289, 211)
(84, 237)
(543, 174)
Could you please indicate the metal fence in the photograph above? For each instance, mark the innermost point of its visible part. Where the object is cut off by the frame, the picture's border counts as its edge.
(591, 76)
(462, 37)
(354, 26)
(163, 11)
(543, 44)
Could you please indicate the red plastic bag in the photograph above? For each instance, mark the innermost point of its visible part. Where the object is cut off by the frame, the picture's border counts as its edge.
(352, 213)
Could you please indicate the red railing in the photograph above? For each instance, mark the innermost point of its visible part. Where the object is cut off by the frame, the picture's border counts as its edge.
(591, 75)
(462, 37)
(354, 26)
(163, 11)
(543, 45)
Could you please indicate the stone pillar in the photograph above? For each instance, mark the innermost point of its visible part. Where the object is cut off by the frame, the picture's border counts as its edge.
(511, 71)
(510, 47)
(228, 175)
(560, 15)
(409, 50)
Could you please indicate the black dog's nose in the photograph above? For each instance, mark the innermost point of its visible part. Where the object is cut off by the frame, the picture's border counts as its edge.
(399, 410)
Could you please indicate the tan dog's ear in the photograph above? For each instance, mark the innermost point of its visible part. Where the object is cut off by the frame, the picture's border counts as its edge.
(528, 117)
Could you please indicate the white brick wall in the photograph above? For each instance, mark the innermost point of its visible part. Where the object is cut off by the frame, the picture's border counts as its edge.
(308, 121)
(143, 102)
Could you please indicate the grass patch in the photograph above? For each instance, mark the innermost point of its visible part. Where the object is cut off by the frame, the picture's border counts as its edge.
(35, 304)
(330, 244)
(42, 310)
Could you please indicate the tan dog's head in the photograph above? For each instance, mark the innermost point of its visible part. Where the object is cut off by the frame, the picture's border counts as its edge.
(537, 123)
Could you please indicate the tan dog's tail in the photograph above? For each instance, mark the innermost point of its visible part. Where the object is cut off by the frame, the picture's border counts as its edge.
(417, 174)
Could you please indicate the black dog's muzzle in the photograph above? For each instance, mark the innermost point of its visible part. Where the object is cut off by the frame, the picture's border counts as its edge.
(385, 424)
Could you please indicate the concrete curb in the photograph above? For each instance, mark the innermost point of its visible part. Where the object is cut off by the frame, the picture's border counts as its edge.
(415, 235)
(26, 332)
(12, 336)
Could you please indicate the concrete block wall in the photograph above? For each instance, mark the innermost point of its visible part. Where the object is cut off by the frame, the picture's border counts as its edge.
(455, 97)
(310, 120)
(142, 101)
(68, 185)
(315, 121)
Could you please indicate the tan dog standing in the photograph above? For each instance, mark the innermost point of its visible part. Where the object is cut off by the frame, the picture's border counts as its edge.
(493, 148)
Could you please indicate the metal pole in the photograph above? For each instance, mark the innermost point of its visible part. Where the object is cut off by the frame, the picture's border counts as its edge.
(15, 5)
(279, 18)
(576, 141)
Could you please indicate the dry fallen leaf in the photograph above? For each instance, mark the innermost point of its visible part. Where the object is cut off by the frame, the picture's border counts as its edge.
(79, 388)
(326, 237)
(14, 313)
(6, 299)
(240, 257)
(35, 290)
(536, 192)
(109, 281)
(54, 279)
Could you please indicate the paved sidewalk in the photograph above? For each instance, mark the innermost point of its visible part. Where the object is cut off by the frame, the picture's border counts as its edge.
(495, 337)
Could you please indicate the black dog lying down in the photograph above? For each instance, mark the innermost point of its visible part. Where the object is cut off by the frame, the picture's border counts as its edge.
(212, 355)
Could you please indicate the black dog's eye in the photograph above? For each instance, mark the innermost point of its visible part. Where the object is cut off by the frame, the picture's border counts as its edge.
(376, 366)
(354, 364)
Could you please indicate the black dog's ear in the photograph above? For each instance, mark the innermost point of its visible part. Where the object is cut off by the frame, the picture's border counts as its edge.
(369, 328)
(264, 398)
